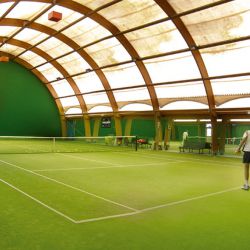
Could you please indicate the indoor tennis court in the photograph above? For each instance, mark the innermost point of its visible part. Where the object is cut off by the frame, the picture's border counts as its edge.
(133, 197)
(124, 124)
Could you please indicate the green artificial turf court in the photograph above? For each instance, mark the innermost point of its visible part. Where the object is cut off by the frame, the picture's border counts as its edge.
(122, 201)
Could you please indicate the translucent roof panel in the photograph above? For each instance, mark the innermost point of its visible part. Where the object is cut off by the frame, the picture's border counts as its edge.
(223, 22)
(7, 31)
(237, 103)
(171, 68)
(101, 109)
(73, 111)
(32, 58)
(180, 90)
(69, 102)
(62, 88)
(49, 72)
(227, 59)
(86, 31)
(118, 76)
(136, 107)
(73, 63)
(156, 39)
(27, 10)
(108, 52)
(229, 86)
(54, 47)
(137, 94)
(12, 49)
(132, 13)
(4, 7)
(88, 82)
(185, 5)
(68, 17)
(96, 98)
(93, 4)
(179, 105)
(31, 36)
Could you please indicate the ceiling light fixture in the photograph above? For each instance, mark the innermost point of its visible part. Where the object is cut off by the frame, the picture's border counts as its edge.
(55, 16)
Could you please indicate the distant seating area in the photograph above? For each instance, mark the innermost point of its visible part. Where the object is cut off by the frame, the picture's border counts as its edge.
(195, 145)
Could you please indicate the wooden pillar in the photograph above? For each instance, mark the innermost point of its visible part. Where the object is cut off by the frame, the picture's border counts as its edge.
(168, 128)
(128, 126)
(118, 125)
(63, 126)
(87, 128)
(214, 135)
(222, 136)
(158, 132)
(96, 127)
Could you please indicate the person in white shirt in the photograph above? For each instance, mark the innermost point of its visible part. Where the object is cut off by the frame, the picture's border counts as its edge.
(245, 146)
(184, 137)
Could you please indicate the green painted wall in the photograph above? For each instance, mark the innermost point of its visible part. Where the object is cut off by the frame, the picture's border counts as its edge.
(143, 128)
(239, 129)
(26, 106)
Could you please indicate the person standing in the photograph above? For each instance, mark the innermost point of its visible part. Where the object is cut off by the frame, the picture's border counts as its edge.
(184, 137)
(245, 146)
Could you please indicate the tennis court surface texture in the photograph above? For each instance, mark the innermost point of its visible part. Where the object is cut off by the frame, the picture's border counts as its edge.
(122, 201)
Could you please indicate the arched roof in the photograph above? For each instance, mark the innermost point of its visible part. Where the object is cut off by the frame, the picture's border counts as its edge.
(118, 56)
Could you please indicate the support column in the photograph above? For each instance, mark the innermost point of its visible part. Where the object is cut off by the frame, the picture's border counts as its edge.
(222, 136)
(214, 135)
(96, 127)
(158, 132)
(167, 137)
(128, 126)
(87, 128)
(118, 125)
(63, 126)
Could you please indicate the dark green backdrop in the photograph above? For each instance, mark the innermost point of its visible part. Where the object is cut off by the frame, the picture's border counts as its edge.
(26, 106)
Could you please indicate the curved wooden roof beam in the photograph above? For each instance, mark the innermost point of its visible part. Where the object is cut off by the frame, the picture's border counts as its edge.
(122, 39)
(196, 54)
(47, 57)
(70, 43)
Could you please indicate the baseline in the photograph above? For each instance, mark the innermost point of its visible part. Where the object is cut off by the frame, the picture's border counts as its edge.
(161, 206)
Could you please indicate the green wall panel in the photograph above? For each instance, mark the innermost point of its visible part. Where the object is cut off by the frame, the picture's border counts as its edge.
(26, 106)
(239, 129)
(143, 128)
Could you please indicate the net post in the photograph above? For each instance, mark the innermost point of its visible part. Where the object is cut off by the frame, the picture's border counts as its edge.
(136, 143)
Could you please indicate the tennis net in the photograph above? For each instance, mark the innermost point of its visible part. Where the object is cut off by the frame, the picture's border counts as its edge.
(27, 145)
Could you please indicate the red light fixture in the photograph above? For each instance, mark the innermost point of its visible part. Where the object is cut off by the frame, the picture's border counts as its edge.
(55, 16)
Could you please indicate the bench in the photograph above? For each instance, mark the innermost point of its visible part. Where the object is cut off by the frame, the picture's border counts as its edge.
(195, 145)
(144, 142)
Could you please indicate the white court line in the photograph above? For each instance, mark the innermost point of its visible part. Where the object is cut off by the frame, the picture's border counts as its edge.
(117, 166)
(38, 201)
(67, 185)
(189, 199)
(87, 159)
(106, 217)
(124, 214)
(161, 206)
